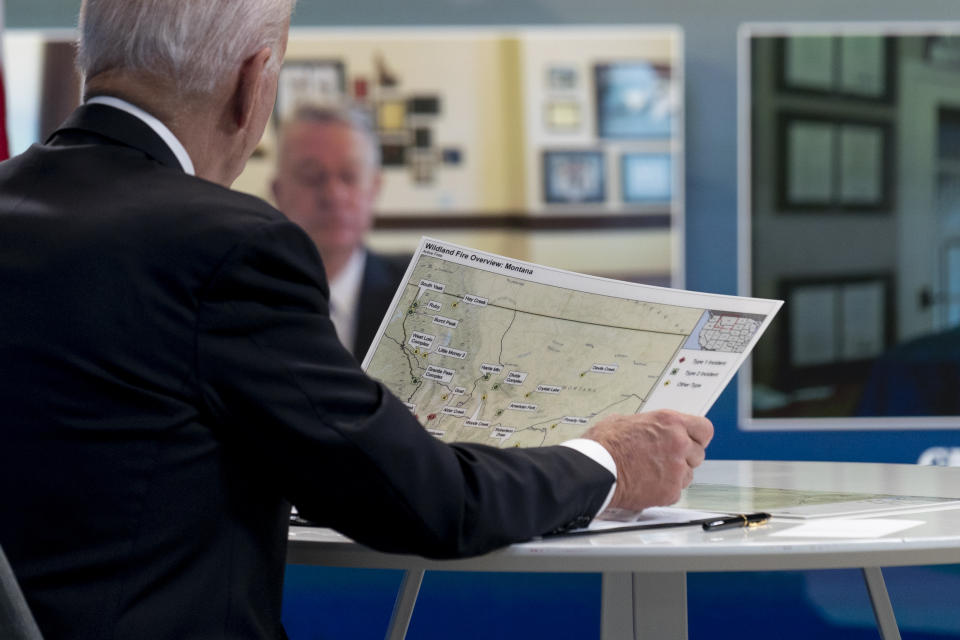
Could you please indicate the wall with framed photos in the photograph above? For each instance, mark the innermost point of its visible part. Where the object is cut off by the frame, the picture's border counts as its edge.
(604, 120)
(562, 145)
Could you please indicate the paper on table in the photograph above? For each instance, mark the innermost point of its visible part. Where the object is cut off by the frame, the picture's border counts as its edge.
(847, 528)
(612, 518)
(795, 503)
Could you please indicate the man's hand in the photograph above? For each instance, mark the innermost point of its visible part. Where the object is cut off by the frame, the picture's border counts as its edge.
(655, 453)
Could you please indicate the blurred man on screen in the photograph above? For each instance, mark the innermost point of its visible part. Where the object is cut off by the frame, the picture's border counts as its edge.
(327, 181)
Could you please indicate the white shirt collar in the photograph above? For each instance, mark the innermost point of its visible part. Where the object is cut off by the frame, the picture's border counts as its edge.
(345, 297)
(158, 127)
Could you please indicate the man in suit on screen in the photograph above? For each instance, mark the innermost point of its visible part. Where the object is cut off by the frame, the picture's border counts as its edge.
(327, 181)
(171, 381)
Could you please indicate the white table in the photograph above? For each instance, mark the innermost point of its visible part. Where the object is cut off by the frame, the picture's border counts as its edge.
(644, 572)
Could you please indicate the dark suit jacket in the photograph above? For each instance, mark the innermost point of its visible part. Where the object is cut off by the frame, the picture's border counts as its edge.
(381, 276)
(170, 381)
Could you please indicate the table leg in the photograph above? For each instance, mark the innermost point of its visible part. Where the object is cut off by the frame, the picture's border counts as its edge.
(641, 606)
(616, 606)
(403, 606)
(882, 609)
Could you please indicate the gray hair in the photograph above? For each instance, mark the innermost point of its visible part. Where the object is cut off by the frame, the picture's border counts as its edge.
(195, 43)
(349, 116)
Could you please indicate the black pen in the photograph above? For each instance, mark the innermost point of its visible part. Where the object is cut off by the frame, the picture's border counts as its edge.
(739, 520)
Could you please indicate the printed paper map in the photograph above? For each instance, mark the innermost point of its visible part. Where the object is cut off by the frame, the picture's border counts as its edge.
(489, 349)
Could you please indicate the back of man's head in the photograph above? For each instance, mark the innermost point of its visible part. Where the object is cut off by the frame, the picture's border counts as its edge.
(194, 44)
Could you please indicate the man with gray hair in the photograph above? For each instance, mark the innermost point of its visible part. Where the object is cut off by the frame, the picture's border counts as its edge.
(327, 181)
(171, 381)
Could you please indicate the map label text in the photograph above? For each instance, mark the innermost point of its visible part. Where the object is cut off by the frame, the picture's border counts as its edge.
(516, 377)
(439, 374)
(453, 353)
(433, 286)
(445, 322)
(604, 368)
(423, 340)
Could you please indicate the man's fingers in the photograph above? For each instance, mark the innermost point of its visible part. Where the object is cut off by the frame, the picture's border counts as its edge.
(695, 456)
(656, 454)
(700, 430)
(688, 479)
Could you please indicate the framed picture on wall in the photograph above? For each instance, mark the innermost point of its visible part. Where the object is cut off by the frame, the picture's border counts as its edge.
(574, 176)
(424, 105)
(392, 115)
(646, 177)
(834, 164)
(393, 155)
(423, 166)
(561, 78)
(635, 99)
(562, 115)
(309, 82)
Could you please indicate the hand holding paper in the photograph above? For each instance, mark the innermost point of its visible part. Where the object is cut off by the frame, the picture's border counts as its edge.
(655, 452)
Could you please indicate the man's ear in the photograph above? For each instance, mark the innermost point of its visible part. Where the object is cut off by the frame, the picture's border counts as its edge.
(249, 85)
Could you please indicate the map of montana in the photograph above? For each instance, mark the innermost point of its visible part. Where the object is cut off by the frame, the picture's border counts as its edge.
(482, 352)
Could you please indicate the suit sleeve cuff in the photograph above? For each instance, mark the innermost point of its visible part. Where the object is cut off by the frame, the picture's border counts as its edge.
(596, 452)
